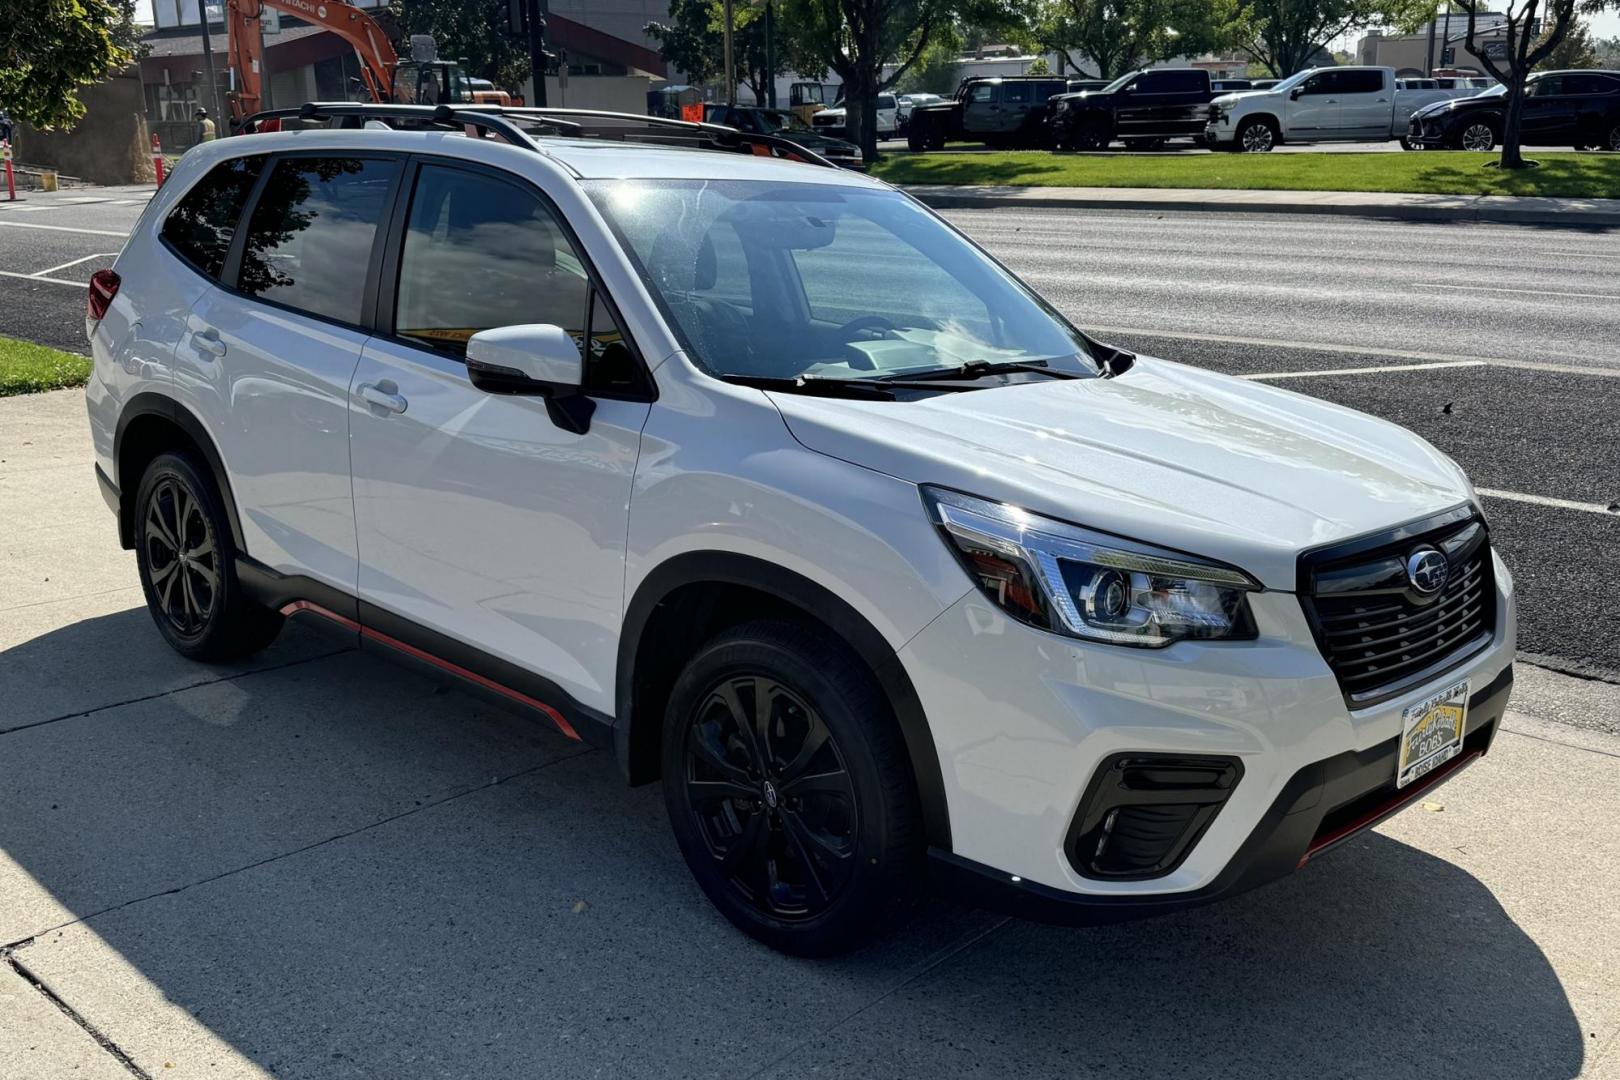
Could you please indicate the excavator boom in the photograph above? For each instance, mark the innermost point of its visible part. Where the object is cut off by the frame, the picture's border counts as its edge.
(245, 46)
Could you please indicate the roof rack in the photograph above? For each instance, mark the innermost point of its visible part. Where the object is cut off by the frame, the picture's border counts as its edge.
(503, 121)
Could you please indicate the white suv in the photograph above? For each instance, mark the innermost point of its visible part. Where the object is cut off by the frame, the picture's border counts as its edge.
(764, 477)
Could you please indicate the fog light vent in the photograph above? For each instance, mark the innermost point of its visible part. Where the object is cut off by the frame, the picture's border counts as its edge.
(1142, 813)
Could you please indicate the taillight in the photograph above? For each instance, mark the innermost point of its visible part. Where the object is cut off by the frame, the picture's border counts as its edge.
(103, 287)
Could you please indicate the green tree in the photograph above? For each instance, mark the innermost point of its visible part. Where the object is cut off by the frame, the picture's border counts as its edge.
(937, 71)
(1285, 35)
(50, 48)
(1107, 38)
(694, 42)
(474, 31)
(1579, 49)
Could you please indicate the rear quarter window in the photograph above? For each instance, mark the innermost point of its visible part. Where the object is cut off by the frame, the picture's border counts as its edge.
(202, 223)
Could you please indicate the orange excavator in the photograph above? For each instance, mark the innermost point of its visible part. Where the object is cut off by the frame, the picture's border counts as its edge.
(422, 80)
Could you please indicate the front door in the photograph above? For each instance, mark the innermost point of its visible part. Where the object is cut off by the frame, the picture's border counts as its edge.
(1549, 112)
(981, 112)
(478, 516)
(1314, 113)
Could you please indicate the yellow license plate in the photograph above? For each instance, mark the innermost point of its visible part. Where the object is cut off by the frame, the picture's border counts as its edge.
(1432, 733)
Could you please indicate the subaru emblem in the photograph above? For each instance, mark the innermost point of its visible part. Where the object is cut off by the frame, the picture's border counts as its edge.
(1427, 570)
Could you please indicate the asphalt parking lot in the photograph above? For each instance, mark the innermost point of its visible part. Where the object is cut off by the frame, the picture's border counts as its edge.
(318, 865)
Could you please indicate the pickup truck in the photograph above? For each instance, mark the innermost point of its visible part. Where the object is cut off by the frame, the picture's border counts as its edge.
(1007, 110)
(1143, 108)
(1335, 104)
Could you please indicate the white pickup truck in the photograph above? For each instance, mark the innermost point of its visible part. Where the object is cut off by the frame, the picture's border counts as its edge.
(1335, 104)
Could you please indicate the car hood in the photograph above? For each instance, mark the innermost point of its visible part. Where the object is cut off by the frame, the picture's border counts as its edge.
(829, 112)
(1227, 99)
(1226, 468)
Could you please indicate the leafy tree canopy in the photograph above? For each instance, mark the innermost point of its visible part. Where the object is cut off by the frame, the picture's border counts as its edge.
(1107, 38)
(50, 48)
(1284, 35)
(474, 31)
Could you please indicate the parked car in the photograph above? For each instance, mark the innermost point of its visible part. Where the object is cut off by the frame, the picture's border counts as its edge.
(907, 102)
(765, 480)
(835, 122)
(785, 124)
(1142, 108)
(1561, 108)
(1003, 110)
(1337, 104)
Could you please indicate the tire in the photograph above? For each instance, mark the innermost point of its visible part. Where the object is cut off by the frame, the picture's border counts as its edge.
(1256, 135)
(1477, 136)
(1091, 136)
(1613, 141)
(187, 564)
(916, 140)
(810, 874)
(1408, 144)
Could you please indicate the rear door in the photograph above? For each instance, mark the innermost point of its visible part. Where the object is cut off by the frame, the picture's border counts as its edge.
(1366, 103)
(267, 357)
(480, 519)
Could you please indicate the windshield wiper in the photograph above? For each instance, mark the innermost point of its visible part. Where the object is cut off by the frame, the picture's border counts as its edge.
(974, 369)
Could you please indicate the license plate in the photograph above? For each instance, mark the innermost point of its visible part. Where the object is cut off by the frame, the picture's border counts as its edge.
(1432, 733)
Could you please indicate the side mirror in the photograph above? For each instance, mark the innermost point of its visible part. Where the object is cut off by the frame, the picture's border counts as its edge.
(1293, 95)
(533, 359)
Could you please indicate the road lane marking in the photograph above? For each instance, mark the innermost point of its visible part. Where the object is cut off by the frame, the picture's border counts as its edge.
(60, 228)
(1355, 350)
(1543, 500)
(47, 280)
(76, 262)
(1580, 254)
(1323, 372)
(1521, 292)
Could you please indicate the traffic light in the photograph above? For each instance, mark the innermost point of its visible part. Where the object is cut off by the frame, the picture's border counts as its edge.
(1448, 56)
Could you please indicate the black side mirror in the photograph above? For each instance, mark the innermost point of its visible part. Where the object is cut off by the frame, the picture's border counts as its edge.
(1293, 95)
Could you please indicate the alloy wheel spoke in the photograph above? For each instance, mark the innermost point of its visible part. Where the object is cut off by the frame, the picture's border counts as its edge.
(747, 848)
(745, 722)
(190, 599)
(714, 758)
(707, 791)
(807, 837)
(814, 740)
(158, 529)
(825, 783)
(182, 512)
(166, 597)
(801, 839)
(162, 574)
(205, 548)
(207, 574)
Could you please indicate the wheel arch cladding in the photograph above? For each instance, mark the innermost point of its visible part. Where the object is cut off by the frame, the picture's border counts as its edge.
(151, 424)
(694, 596)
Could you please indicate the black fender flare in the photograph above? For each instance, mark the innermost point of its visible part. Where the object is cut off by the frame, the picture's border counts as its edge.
(729, 568)
(150, 403)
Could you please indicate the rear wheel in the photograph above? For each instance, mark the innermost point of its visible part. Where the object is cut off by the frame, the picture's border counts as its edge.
(1256, 136)
(789, 791)
(187, 565)
(1613, 141)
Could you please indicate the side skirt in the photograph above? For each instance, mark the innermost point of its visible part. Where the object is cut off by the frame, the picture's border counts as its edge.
(488, 677)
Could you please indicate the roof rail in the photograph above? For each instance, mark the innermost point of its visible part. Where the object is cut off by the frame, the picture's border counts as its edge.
(499, 120)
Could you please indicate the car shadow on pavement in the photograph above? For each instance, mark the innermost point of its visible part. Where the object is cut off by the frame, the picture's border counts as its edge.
(334, 868)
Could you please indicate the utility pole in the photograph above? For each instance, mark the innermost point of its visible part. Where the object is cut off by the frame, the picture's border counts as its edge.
(220, 124)
(537, 48)
(770, 54)
(1428, 68)
(731, 61)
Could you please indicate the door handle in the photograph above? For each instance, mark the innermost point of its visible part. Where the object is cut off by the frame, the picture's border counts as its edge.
(382, 399)
(207, 340)
(1380, 101)
(1331, 101)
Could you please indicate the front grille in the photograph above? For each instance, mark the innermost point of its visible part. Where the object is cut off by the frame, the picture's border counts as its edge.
(1377, 631)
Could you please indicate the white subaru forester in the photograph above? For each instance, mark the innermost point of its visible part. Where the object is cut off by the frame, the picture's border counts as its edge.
(763, 476)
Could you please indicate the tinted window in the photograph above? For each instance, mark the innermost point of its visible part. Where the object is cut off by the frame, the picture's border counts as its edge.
(886, 101)
(309, 243)
(1170, 82)
(609, 363)
(481, 253)
(1325, 83)
(1548, 87)
(982, 93)
(201, 225)
(1360, 81)
(1589, 84)
(1017, 93)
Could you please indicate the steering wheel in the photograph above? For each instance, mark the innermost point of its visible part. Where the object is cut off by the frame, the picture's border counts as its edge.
(864, 322)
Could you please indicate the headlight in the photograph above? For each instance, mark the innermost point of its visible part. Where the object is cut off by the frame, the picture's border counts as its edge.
(1063, 106)
(1073, 581)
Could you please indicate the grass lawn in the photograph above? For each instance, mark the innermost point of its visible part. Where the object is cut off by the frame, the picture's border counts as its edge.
(1438, 172)
(26, 368)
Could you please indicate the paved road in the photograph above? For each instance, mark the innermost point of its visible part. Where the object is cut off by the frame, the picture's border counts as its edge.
(1257, 295)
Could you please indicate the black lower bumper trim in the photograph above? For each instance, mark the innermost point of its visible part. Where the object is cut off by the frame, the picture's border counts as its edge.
(109, 492)
(1321, 806)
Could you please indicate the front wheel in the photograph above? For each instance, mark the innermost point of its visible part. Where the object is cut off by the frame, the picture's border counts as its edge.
(187, 564)
(789, 790)
(1613, 141)
(1479, 137)
(1256, 136)
(1408, 144)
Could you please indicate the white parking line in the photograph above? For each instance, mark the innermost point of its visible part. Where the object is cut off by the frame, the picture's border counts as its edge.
(47, 280)
(1543, 500)
(60, 228)
(1521, 292)
(76, 262)
(1323, 372)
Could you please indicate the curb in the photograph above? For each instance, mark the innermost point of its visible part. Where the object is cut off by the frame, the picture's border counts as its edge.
(1470, 211)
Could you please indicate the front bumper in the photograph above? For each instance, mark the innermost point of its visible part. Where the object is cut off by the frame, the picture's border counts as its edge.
(1022, 720)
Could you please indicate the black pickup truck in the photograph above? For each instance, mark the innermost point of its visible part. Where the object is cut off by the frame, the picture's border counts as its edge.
(1143, 108)
(1006, 110)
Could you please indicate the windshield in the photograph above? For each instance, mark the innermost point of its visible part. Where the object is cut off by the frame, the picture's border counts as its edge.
(1499, 90)
(779, 280)
(1295, 79)
(1120, 83)
(773, 122)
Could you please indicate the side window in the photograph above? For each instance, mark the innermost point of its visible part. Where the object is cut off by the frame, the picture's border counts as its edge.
(1154, 82)
(1017, 93)
(1360, 82)
(887, 101)
(309, 242)
(1588, 84)
(201, 225)
(480, 253)
(982, 93)
(1551, 86)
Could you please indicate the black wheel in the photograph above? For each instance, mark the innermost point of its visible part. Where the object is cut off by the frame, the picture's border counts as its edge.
(1613, 141)
(1256, 136)
(1090, 136)
(1478, 136)
(789, 790)
(916, 139)
(187, 564)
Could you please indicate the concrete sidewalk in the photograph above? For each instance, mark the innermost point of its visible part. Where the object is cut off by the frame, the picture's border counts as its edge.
(1520, 209)
(317, 865)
